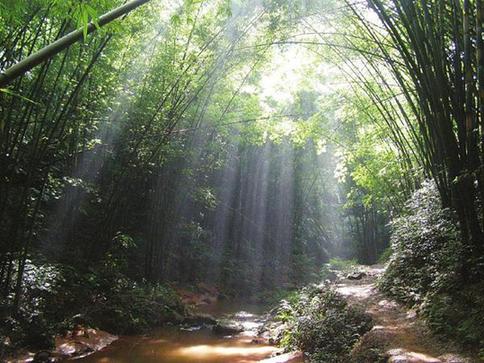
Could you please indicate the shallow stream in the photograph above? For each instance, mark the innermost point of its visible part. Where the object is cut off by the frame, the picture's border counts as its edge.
(191, 344)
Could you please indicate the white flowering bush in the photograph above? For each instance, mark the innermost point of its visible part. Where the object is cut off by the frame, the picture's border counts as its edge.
(426, 248)
(425, 268)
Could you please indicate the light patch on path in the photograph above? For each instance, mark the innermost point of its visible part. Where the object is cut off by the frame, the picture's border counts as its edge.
(356, 291)
(405, 337)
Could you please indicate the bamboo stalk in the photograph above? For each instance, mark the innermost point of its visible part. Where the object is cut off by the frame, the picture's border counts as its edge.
(58, 46)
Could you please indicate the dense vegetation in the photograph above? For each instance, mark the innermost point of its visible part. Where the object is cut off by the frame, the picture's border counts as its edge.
(425, 267)
(322, 324)
(241, 144)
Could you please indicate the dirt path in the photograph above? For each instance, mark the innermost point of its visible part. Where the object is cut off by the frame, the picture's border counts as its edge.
(405, 337)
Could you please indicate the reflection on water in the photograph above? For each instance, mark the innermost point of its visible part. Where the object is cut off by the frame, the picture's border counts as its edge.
(174, 345)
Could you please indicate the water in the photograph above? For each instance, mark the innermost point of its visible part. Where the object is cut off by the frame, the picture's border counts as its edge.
(172, 345)
(196, 344)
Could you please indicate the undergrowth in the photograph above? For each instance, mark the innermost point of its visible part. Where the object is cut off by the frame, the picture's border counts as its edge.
(425, 268)
(57, 297)
(322, 325)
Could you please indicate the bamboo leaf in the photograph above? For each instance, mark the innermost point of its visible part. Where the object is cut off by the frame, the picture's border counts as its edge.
(9, 92)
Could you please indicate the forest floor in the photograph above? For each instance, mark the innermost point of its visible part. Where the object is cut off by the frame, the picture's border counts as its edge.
(397, 331)
(404, 337)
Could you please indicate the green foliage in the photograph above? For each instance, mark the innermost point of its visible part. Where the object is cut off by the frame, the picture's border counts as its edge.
(303, 268)
(385, 255)
(55, 297)
(425, 269)
(371, 348)
(337, 267)
(323, 325)
(426, 249)
(340, 264)
(133, 308)
(131, 131)
(457, 314)
(276, 296)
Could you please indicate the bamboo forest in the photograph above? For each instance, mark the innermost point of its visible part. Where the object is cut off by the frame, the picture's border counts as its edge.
(239, 181)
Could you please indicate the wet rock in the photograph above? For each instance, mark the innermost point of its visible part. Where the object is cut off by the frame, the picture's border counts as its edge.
(258, 341)
(83, 350)
(403, 356)
(82, 342)
(227, 328)
(79, 319)
(75, 349)
(451, 358)
(357, 275)
(199, 319)
(80, 331)
(291, 357)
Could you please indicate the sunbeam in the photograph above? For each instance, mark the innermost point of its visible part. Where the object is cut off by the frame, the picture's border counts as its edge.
(235, 181)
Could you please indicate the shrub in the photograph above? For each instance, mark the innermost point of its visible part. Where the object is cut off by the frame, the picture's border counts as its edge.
(371, 348)
(424, 270)
(458, 314)
(323, 325)
(57, 297)
(426, 249)
(28, 326)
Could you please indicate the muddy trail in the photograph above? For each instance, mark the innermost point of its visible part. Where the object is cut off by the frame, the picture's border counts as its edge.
(403, 336)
